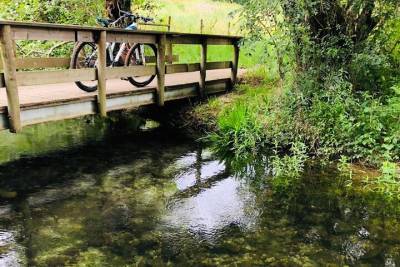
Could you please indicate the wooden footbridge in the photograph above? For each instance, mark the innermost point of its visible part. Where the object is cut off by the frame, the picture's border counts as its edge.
(36, 90)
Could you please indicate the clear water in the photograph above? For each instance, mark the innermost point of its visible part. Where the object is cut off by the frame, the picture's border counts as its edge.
(158, 199)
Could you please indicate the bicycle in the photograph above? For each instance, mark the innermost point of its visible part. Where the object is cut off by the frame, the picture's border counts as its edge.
(118, 54)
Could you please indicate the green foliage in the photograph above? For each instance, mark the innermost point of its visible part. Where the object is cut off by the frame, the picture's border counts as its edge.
(263, 21)
(54, 11)
(340, 96)
(240, 127)
(387, 185)
(290, 166)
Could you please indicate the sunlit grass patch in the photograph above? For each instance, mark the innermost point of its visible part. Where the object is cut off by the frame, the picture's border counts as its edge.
(187, 14)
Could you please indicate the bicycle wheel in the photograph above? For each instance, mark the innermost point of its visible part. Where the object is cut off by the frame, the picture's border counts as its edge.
(85, 56)
(134, 57)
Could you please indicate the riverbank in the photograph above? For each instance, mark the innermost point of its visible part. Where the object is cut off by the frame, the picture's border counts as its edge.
(251, 122)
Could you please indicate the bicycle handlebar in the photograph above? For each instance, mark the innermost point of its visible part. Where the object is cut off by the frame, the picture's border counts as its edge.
(108, 22)
(128, 14)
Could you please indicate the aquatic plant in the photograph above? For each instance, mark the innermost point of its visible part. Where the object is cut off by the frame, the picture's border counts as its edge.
(387, 185)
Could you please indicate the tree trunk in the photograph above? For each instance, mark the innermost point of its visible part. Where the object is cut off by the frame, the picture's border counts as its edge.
(114, 6)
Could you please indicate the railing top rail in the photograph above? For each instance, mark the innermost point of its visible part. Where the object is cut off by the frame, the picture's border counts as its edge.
(35, 25)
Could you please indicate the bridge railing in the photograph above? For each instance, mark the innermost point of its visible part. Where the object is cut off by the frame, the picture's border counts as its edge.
(10, 32)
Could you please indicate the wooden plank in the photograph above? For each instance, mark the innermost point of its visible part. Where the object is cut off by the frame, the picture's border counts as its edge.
(153, 59)
(59, 76)
(161, 70)
(217, 86)
(184, 39)
(181, 91)
(219, 65)
(195, 39)
(37, 63)
(10, 77)
(35, 25)
(235, 63)
(71, 75)
(177, 68)
(54, 62)
(219, 41)
(61, 111)
(130, 101)
(101, 74)
(85, 36)
(132, 37)
(193, 67)
(131, 71)
(43, 34)
(203, 69)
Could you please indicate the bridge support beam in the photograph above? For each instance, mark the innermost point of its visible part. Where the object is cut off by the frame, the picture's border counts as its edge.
(235, 63)
(10, 76)
(162, 39)
(101, 73)
(203, 69)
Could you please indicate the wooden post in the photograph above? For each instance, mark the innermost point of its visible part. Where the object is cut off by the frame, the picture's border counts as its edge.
(10, 77)
(170, 53)
(229, 28)
(169, 23)
(169, 46)
(15, 48)
(161, 70)
(235, 63)
(201, 26)
(101, 73)
(203, 69)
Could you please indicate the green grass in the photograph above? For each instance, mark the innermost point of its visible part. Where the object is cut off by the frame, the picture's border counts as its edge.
(242, 106)
(217, 16)
(187, 14)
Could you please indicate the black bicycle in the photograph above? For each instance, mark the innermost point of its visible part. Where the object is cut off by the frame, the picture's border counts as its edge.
(85, 54)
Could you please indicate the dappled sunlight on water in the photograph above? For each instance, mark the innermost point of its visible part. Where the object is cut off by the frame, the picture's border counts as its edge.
(210, 211)
(147, 200)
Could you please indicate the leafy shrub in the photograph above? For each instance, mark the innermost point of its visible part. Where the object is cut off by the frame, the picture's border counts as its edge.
(54, 11)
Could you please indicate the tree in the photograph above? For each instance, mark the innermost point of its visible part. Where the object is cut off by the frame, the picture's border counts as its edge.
(113, 7)
(263, 19)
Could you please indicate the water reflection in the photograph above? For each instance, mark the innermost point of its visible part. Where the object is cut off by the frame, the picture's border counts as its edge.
(209, 198)
(149, 201)
(209, 212)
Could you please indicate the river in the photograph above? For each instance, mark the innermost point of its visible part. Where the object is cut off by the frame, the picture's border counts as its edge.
(161, 199)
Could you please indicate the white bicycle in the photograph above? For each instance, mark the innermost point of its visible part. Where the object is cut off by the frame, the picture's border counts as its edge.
(118, 54)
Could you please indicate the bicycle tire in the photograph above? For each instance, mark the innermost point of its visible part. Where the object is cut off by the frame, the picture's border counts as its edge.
(130, 54)
(74, 62)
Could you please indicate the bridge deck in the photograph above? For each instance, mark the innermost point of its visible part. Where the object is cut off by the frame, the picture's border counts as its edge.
(38, 95)
(49, 102)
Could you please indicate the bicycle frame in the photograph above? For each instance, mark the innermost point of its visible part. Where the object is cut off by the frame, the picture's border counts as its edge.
(114, 59)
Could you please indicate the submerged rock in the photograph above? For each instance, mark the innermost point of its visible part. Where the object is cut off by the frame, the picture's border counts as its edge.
(356, 249)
